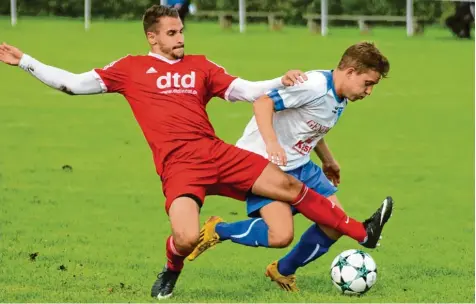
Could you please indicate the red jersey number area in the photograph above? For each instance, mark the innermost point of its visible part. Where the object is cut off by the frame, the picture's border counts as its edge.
(211, 167)
(168, 99)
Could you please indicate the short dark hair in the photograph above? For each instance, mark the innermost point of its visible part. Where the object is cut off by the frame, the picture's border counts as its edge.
(153, 14)
(364, 56)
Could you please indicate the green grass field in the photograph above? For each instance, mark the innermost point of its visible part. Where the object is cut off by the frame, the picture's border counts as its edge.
(104, 221)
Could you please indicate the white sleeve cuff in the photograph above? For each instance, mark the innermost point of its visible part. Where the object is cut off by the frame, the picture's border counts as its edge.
(26, 61)
(230, 88)
(101, 82)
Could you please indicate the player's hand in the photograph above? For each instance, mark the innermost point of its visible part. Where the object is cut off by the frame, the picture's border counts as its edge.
(276, 154)
(10, 54)
(293, 77)
(332, 172)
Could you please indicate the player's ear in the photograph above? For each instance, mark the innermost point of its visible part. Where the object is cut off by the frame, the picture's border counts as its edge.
(151, 38)
(349, 71)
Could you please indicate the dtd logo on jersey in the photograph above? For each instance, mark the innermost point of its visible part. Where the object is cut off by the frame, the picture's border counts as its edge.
(181, 84)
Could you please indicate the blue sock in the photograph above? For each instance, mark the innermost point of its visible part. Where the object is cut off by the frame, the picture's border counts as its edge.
(252, 232)
(314, 243)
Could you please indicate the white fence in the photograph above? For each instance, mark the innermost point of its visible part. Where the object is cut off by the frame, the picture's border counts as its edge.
(242, 14)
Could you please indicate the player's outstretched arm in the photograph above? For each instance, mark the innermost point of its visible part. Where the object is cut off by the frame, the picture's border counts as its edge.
(329, 165)
(263, 108)
(244, 90)
(73, 84)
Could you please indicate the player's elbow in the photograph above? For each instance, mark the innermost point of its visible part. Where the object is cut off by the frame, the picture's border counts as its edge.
(80, 84)
(68, 90)
(71, 85)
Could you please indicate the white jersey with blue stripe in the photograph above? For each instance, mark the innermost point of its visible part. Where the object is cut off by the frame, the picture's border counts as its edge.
(304, 114)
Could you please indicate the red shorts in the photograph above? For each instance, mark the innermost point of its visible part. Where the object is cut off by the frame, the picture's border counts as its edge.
(210, 167)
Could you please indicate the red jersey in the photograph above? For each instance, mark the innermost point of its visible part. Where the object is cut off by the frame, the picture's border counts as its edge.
(168, 98)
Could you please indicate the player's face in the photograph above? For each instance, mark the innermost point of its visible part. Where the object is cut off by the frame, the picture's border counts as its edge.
(360, 85)
(169, 37)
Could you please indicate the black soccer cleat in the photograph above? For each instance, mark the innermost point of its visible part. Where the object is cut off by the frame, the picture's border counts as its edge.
(375, 223)
(164, 285)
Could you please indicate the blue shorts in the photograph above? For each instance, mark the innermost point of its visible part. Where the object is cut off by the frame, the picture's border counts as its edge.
(310, 174)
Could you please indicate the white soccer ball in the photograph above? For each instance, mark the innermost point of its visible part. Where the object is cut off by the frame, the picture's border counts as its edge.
(353, 272)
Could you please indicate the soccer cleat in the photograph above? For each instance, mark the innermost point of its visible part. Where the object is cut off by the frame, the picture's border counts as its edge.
(287, 283)
(208, 237)
(164, 285)
(375, 223)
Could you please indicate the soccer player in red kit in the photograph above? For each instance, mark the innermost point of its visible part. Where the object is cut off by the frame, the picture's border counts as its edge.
(168, 93)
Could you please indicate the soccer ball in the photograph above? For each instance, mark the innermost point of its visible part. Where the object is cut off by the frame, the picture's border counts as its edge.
(353, 272)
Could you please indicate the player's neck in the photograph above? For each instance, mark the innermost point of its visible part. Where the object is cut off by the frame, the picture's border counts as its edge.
(163, 57)
(337, 77)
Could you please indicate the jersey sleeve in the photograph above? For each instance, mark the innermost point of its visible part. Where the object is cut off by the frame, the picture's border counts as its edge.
(219, 80)
(114, 76)
(301, 94)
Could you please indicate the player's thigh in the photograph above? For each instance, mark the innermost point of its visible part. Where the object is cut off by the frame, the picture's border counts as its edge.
(191, 178)
(277, 185)
(238, 169)
(184, 215)
(279, 218)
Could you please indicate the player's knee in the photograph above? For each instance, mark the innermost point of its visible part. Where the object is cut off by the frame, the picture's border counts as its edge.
(291, 184)
(280, 238)
(186, 242)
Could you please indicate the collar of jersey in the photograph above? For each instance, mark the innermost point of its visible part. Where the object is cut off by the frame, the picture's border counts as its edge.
(160, 57)
(330, 85)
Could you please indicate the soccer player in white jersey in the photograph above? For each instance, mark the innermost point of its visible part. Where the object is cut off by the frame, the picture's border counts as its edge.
(288, 125)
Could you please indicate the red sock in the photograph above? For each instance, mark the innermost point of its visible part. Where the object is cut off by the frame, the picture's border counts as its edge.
(322, 211)
(174, 258)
